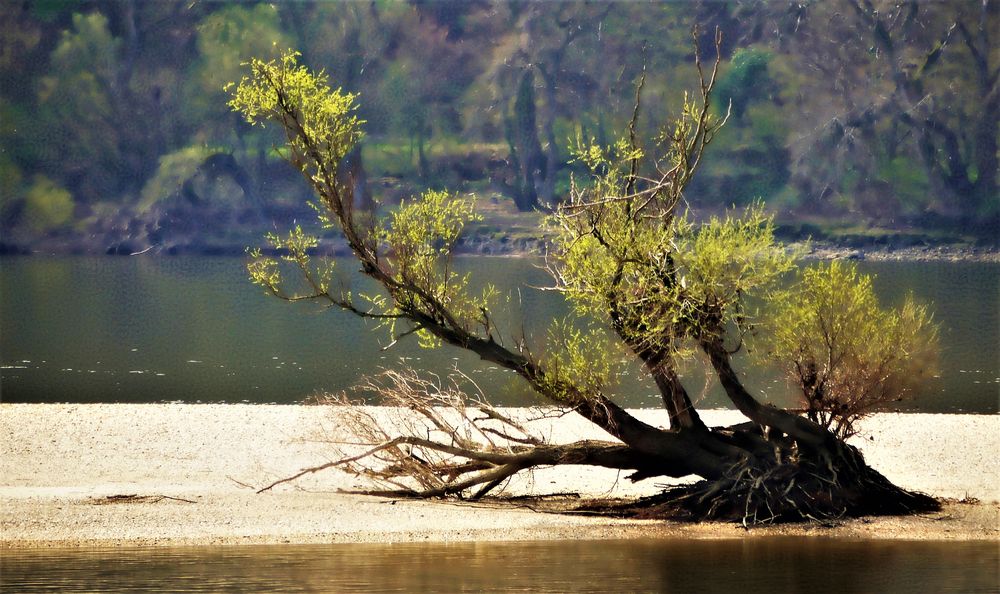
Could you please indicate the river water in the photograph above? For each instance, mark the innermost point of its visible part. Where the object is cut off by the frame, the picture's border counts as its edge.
(766, 565)
(148, 329)
(194, 329)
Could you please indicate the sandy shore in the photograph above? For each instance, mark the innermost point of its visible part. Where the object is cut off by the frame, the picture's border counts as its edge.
(164, 474)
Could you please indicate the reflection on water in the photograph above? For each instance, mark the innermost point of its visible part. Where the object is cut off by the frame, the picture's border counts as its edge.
(194, 329)
(770, 565)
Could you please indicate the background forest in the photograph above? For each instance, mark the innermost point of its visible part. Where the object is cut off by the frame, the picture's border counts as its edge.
(857, 121)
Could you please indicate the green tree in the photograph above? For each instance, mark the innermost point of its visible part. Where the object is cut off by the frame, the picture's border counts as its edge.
(959, 155)
(746, 80)
(106, 105)
(526, 155)
(660, 286)
(539, 83)
(418, 86)
(750, 161)
(848, 355)
(225, 40)
(83, 103)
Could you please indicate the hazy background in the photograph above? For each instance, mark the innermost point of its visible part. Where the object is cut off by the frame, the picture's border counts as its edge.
(856, 122)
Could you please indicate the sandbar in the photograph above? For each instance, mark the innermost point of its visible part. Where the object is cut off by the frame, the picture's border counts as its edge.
(185, 474)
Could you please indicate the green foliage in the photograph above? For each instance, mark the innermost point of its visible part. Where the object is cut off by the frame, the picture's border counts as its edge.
(909, 180)
(400, 89)
(675, 281)
(418, 237)
(10, 182)
(745, 80)
(231, 36)
(78, 102)
(590, 246)
(750, 161)
(47, 205)
(849, 355)
(524, 106)
(726, 260)
(49, 10)
(422, 230)
(322, 129)
(88, 50)
(586, 357)
(78, 75)
(226, 39)
(294, 248)
(525, 149)
(329, 126)
(623, 250)
(807, 106)
(174, 169)
(769, 124)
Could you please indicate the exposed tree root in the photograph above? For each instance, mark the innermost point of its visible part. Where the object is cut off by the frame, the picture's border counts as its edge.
(785, 492)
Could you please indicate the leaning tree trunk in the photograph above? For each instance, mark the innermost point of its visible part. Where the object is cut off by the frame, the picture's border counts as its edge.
(777, 466)
(808, 474)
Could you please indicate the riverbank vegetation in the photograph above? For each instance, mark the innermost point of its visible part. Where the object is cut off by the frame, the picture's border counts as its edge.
(643, 280)
(857, 121)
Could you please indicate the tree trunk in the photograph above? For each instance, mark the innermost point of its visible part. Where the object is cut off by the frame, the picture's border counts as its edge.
(675, 398)
(804, 432)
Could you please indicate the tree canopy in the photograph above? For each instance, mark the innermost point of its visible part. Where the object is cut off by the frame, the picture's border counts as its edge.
(641, 276)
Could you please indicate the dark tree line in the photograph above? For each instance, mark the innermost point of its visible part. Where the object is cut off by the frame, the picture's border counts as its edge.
(851, 110)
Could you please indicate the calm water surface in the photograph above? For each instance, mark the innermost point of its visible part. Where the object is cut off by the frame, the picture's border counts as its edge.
(767, 565)
(149, 329)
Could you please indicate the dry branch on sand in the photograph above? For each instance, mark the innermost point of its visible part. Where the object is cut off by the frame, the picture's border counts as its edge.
(430, 438)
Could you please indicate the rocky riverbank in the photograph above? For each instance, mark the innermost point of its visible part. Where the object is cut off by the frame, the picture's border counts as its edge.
(478, 245)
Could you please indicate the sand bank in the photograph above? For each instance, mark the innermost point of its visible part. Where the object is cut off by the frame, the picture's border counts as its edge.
(126, 474)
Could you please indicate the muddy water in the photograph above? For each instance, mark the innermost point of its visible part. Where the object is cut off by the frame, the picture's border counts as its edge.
(766, 565)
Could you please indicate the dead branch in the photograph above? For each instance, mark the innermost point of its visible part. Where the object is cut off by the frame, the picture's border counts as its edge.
(430, 439)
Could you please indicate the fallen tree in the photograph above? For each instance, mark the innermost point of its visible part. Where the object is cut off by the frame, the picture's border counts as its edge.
(642, 278)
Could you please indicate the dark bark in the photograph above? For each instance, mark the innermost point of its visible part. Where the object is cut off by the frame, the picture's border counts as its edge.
(803, 431)
(679, 407)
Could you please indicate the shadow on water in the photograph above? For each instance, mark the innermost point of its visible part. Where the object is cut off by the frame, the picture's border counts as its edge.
(791, 564)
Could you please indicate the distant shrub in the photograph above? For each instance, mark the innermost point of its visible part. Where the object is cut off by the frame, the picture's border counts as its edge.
(174, 169)
(47, 205)
(746, 80)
